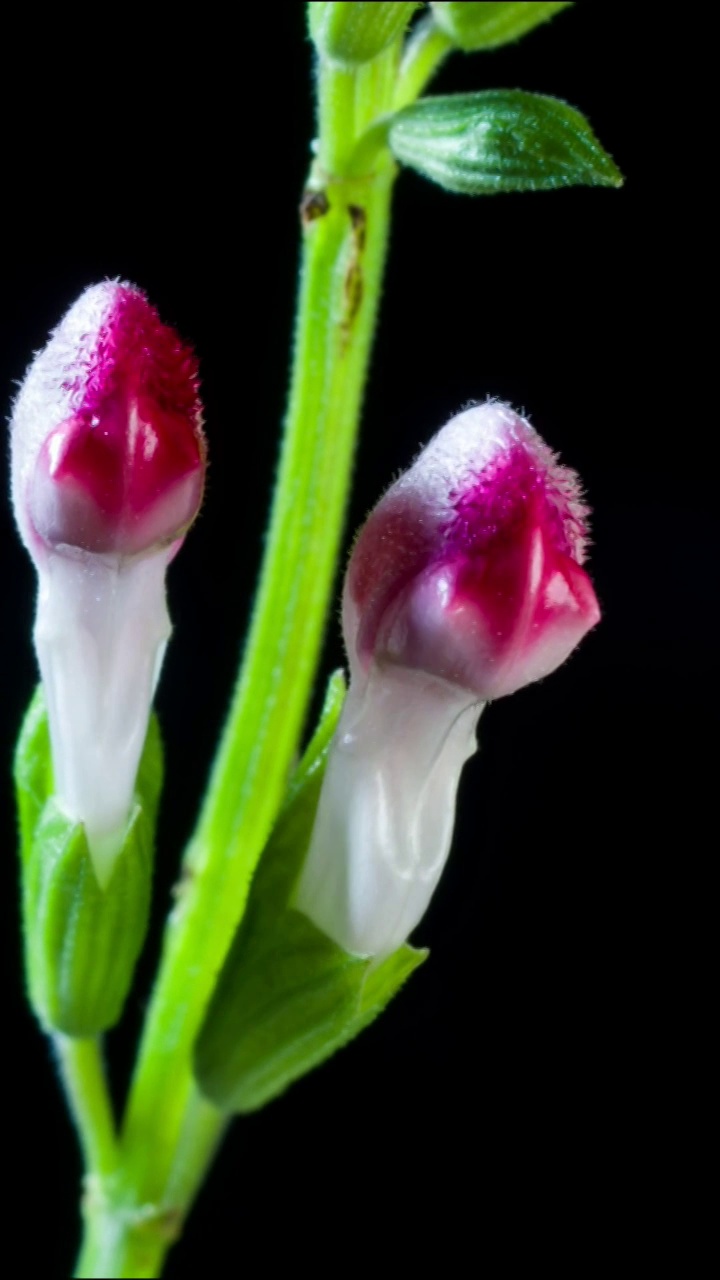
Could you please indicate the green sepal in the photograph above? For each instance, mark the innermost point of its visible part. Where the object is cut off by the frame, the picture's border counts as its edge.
(353, 33)
(287, 997)
(473, 26)
(500, 140)
(81, 941)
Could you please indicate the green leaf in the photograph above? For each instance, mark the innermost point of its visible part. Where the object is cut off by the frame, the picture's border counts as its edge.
(486, 26)
(81, 941)
(288, 997)
(500, 140)
(383, 982)
(279, 1009)
(32, 769)
(356, 32)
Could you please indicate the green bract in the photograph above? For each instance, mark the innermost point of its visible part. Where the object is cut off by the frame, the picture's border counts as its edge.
(500, 140)
(81, 941)
(353, 33)
(485, 26)
(288, 997)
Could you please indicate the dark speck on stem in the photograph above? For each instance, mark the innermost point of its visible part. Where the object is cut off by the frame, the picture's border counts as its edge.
(314, 204)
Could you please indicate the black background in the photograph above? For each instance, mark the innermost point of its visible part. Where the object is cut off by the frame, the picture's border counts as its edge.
(520, 1091)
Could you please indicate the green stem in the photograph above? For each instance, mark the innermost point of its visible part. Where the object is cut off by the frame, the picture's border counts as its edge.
(336, 111)
(83, 1076)
(127, 1238)
(202, 1132)
(426, 50)
(338, 299)
(169, 1136)
(116, 1245)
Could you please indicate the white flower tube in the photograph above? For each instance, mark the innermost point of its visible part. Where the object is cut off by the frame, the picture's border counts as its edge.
(465, 584)
(108, 465)
(385, 816)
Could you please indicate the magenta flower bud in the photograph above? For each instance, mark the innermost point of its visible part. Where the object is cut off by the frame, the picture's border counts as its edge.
(465, 584)
(108, 467)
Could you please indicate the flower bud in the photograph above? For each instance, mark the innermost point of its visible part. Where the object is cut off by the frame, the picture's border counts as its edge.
(108, 465)
(474, 26)
(351, 34)
(465, 584)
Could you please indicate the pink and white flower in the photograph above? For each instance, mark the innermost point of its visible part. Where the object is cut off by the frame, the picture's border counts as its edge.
(465, 583)
(108, 467)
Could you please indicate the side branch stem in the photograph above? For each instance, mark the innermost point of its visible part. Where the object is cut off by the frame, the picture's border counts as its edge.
(83, 1076)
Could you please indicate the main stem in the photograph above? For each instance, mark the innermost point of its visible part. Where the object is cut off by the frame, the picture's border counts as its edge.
(170, 1133)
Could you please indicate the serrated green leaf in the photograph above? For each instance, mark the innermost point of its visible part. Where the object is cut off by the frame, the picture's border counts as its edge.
(354, 32)
(384, 981)
(276, 1010)
(288, 997)
(81, 941)
(474, 26)
(500, 140)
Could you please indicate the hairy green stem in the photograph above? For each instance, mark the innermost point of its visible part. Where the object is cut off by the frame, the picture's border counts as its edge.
(426, 50)
(170, 1134)
(336, 308)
